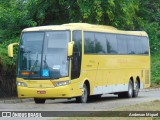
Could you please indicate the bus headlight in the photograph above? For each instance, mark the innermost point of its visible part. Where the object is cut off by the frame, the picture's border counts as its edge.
(21, 84)
(62, 83)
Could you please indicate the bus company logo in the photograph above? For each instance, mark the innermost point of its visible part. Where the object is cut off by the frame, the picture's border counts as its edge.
(6, 114)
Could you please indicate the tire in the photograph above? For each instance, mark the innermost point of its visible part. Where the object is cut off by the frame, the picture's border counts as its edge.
(84, 97)
(39, 101)
(136, 90)
(129, 93)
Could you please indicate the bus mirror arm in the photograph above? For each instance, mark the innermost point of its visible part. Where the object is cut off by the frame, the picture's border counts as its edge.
(70, 48)
(10, 49)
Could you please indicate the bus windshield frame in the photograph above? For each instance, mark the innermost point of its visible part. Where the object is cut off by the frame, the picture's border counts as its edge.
(43, 55)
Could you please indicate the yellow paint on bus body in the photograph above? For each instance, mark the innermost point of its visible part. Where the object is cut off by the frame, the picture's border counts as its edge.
(105, 73)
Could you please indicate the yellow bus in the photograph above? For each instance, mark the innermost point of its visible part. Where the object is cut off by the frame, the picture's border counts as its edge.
(80, 60)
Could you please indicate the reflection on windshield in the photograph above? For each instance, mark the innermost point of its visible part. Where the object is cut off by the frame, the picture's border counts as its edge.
(43, 55)
(55, 54)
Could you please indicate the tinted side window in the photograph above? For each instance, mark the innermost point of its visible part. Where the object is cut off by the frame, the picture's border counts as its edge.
(77, 53)
(122, 44)
(138, 45)
(111, 44)
(89, 44)
(130, 45)
(145, 46)
(100, 43)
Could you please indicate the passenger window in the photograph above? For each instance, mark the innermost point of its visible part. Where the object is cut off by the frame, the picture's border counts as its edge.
(100, 43)
(89, 44)
(122, 44)
(145, 46)
(111, 44)
(138, 45)
(130, 45)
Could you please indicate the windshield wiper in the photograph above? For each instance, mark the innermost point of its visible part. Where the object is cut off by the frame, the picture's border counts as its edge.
(33, 67)
(46, 66)
(45, 63)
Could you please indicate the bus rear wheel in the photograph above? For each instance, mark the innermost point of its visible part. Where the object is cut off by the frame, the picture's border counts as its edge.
(84, 97)
(129, 93)
(136, 91)
(39, 101)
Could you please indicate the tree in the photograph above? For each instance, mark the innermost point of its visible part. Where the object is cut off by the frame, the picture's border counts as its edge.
(13, 18)
(150, 17)
(119, 13)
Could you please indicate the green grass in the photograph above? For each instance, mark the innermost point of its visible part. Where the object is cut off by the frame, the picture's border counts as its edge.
(147, 106)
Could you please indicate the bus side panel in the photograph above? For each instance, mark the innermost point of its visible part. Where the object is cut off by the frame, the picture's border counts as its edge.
(111, 73)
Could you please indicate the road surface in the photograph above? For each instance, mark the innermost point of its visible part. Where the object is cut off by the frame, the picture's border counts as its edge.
(106, 103)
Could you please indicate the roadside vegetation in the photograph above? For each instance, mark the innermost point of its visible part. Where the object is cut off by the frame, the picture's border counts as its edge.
(16, 15)
(155, 70)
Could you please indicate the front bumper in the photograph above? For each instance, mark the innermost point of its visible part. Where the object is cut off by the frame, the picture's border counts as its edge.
(56, 92)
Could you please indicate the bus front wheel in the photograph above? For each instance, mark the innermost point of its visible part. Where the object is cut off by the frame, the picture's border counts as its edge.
(39, 101)
(84, 97)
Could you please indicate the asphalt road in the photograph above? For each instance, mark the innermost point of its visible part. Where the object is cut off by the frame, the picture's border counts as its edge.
(106, 103)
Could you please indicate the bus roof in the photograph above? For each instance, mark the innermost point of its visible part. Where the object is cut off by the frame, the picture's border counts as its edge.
(85, 27)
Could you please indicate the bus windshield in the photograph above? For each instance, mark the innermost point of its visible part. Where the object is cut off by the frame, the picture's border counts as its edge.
(43, 55)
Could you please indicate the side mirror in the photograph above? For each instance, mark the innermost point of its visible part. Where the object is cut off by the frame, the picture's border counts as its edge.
(70, 48)
(10, 49)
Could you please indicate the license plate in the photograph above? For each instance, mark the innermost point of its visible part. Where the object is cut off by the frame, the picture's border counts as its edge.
(41, 92)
